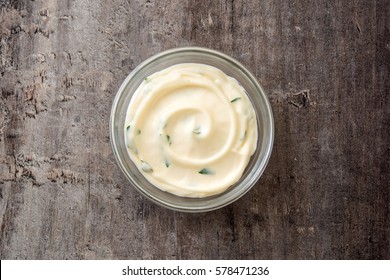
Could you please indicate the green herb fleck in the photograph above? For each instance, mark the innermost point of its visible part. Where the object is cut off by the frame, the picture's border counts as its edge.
(128, 141)
(243, 137)
(197, 130)
(138, 131)
(169, 139)
(235, 99)
(167, 163)
(206, 171)
(146, 166)
(146, 79)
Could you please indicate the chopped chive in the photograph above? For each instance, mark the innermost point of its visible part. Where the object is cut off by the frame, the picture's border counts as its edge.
(235, 99)
(243, 137)
(138, 131)
(197, 130)
(169, 139)
(146, 166)
(146, 79)
(206, 171)
(128, 141)
(167, 163)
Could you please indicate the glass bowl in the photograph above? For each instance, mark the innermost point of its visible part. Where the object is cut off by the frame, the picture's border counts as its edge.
(232, 68)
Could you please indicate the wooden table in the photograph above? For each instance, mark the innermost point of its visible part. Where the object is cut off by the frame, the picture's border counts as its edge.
(324, 65)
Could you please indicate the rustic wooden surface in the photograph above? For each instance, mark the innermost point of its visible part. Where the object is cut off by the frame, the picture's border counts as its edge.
(325, 67)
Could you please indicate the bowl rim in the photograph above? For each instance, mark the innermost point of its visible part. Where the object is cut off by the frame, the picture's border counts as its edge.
(246, 72)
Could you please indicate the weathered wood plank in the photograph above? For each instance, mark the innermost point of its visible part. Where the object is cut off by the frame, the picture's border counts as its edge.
(325, 66)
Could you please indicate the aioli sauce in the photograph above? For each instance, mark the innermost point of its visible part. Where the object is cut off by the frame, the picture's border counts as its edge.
(191, 130)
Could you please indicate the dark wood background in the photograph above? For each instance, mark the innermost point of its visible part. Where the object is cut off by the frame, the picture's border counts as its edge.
(324, 65)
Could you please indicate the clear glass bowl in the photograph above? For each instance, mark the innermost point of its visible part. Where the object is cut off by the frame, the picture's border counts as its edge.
(232, 68)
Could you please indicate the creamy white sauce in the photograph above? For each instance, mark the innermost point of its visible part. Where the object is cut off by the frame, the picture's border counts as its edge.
(191, 130)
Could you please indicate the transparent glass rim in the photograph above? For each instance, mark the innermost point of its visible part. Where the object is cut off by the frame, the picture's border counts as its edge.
(267, 142)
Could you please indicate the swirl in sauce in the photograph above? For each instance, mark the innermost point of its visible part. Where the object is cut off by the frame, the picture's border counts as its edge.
(191, 130)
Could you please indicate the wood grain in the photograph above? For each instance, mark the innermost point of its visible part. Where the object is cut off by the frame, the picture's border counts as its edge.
(324, 65)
